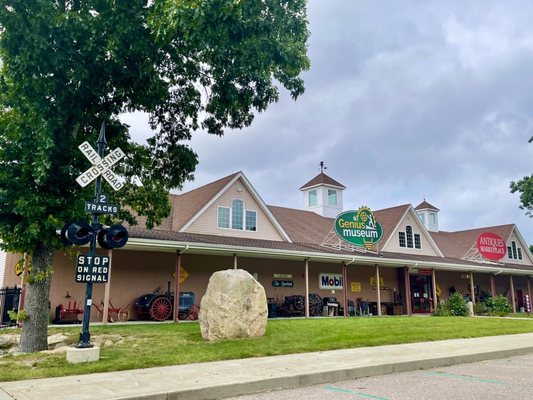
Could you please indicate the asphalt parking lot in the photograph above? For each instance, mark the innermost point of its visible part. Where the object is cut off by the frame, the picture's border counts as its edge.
(509, 378)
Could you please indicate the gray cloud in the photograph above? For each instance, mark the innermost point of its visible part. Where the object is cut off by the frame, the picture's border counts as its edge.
(403, 100)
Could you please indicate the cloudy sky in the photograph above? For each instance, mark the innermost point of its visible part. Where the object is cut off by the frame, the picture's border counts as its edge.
(404, 101)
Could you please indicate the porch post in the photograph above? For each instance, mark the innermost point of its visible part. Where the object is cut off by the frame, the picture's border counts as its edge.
(408, 310)
(472, 293)
(234, 261)
(107, 289)
(345, 287)
(511, 286)
(529, 287)
(378, 290)
(306, 288)
(493, 285)
(434, 285)
(177, 286)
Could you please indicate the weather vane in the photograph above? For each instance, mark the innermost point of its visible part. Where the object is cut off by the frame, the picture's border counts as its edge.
(322, 167)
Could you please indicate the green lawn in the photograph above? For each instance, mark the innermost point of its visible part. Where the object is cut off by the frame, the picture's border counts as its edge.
(150, 345)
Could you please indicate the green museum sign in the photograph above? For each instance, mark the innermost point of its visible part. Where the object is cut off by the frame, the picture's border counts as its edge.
(359, 228)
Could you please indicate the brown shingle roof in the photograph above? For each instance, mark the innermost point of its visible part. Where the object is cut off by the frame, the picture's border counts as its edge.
(187, 205)
(138, 232)
(309, 227)
(302, 226)
(308, 230)
(457, 244)
(322, 179)
(425, 205)
(389, 218)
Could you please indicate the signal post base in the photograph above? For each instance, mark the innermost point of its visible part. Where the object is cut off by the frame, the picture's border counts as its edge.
(77, 355)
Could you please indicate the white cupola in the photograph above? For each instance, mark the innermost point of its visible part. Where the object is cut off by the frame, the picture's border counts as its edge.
(428, 215)
(323, 195)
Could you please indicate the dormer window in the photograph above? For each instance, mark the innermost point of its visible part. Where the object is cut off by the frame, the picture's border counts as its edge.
(312, 198)
(237, 214)
(223, 217)
(237, 217)
(432, 218)
(251, 221)
(421, 217)
(409, 239)
(514, 252)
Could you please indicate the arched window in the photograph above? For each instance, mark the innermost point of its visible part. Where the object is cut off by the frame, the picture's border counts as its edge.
(409, 234)
(237, 214)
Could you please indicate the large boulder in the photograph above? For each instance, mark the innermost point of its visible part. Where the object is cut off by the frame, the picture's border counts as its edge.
(234, 306)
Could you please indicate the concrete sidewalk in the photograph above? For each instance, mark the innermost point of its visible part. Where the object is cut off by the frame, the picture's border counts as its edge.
(215, 380)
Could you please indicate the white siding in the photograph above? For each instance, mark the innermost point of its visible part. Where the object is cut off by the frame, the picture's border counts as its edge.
(207, 222)
(525, 258)
(393, 244)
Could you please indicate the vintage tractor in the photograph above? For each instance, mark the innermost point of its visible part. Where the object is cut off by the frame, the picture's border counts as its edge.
(160, 306)
(295, 305)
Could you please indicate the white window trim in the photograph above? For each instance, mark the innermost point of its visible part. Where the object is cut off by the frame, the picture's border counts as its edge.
(244, 210)
(229, 220)
(413, 233)
(256, 227)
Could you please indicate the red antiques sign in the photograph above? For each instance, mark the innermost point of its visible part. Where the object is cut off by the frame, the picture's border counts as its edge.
(491, 246)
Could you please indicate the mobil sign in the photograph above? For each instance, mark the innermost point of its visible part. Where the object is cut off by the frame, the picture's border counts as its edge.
(491, 246)
(330, 281)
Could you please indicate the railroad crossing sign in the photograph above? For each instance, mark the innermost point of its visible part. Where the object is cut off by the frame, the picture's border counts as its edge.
(101, 166)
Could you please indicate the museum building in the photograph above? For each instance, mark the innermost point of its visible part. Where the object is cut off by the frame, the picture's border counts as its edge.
(305, 266)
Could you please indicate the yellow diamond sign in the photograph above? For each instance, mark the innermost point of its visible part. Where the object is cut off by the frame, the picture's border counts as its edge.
(183, 274)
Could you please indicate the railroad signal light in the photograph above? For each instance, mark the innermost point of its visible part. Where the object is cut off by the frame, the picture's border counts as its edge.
(114, 237)
(79, 233)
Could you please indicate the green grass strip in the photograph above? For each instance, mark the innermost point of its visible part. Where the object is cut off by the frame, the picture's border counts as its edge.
(154, 345)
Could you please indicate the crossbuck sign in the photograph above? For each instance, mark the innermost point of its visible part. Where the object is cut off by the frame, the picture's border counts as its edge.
(101, 166)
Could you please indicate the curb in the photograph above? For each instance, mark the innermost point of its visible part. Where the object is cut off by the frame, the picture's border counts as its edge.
(292, 382)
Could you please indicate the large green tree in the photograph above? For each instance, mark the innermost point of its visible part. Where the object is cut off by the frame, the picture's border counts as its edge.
(68, 65)
(525, 187)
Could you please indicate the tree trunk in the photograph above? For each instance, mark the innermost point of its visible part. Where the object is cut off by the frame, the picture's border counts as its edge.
(37, 306)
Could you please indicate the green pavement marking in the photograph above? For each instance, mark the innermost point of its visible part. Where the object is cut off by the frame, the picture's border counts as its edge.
(335, 389)
(466, 377)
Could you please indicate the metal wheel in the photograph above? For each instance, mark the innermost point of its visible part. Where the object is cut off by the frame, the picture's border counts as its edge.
(299, 302)
(123, 314)
(160, 309)
(183, 315)
(315, 305)
(193, 312)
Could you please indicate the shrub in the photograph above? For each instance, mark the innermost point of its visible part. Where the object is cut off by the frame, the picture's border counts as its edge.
(454, 306)
(498, 305)
(480, 308)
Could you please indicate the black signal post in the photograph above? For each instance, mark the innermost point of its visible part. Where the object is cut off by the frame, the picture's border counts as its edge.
(91, 268)
(85, 335)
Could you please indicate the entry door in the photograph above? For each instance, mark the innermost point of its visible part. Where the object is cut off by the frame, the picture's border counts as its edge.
(421, 297)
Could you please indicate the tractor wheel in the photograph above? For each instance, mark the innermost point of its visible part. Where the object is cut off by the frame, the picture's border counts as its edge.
(123, 315)
(315, 305)
(193, 312)
(160, 309)
(299, 303)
